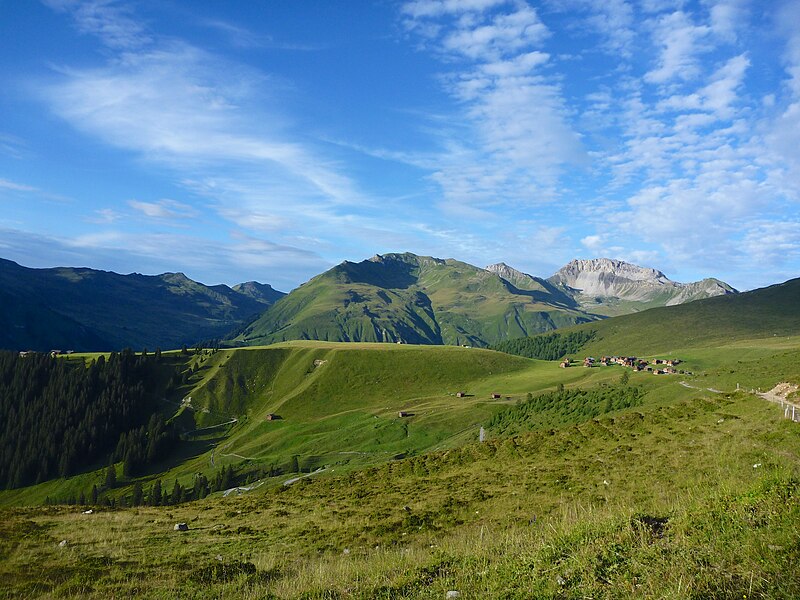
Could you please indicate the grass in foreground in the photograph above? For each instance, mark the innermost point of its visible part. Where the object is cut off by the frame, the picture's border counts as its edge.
(659, 502)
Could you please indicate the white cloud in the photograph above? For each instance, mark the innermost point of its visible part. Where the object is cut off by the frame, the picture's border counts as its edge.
(13, 186)
(774, 244)
(727, 17)
(719, 96)
(104, 216)
(435, 8)
(680, 42)
(594, 243)
(179, 105)
(513, 138)
(612, 21)
(163, 209)
(504, 34)
(212, 123)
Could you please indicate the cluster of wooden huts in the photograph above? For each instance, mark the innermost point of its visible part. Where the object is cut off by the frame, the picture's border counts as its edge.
(657, 366)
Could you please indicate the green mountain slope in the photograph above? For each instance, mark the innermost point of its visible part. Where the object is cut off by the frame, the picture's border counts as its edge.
(412, 299)
(86, 309)
(767, 313)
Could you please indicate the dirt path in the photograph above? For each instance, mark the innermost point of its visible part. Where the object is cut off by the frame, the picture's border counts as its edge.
(780, 395)
(289, 482)
(231, 422)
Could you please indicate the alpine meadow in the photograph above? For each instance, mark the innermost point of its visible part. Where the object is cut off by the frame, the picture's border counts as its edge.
(406, 300)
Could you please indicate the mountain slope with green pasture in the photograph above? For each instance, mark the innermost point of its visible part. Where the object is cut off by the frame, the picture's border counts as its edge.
(331, 404)
(90, 310)
(597, 482)
(411, 299)
(771, 313)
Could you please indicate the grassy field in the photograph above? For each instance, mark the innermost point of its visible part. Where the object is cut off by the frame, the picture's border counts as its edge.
(698, 500)
(691, 493)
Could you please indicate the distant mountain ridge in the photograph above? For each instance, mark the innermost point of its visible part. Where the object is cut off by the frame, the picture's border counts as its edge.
(87, 309)
(397, 297)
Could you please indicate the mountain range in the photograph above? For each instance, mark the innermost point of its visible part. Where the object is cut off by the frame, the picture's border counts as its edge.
(388, 298)
(421, 299)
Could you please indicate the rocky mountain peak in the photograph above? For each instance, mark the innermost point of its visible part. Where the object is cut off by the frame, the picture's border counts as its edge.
(604, 268)
(506, 272)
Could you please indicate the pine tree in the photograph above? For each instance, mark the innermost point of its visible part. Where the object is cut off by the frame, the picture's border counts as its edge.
(177, 492)
(137, 494)
(155, 493)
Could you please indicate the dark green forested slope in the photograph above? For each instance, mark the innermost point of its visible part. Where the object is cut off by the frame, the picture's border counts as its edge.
(57, 417)
(89, 310)
(550, 346)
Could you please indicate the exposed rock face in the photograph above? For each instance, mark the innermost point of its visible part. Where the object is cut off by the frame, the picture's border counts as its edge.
(611, 286)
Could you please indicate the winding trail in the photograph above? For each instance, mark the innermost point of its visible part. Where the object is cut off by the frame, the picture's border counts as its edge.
(289, 482)
(231, 422)
(779, 395)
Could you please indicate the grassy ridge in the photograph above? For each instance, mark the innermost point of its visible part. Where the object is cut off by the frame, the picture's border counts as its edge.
(771, 312)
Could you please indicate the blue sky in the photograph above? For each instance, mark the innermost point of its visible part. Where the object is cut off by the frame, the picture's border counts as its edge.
(270, 140)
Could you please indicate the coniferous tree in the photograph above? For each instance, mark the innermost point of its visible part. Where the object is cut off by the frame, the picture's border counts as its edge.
(88, 410)
(136, 499)
(177, 493)
(155, 493)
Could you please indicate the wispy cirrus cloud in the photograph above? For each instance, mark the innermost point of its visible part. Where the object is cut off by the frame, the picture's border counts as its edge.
(216, 125)
(14, 186)
(110, 20)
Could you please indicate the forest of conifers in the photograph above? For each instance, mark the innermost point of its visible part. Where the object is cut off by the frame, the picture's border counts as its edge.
(60, 416)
